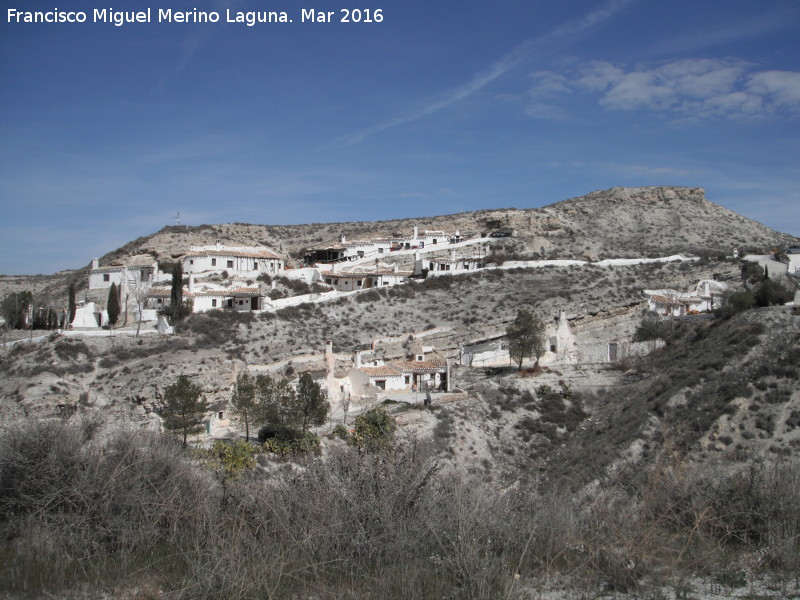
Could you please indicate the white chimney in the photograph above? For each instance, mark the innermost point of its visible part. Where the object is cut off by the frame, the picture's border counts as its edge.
(453, 254)
(343, 239)
(394, 268)
(357, 359)
(416, 232)
(95, 263)
(191, 283)
(329, 347)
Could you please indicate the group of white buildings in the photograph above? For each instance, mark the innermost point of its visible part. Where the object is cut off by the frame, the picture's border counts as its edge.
(707, 295)
(350, 250)
(227, 277)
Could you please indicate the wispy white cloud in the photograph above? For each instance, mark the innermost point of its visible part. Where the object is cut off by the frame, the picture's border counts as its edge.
(692, 40)
(687, 89)
(193, 41)
(782, 87)
(568, 31)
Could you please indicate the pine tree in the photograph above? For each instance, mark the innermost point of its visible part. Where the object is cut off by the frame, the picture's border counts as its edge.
(184, 409)
(244, 402)
(112, 305)
(312, 404)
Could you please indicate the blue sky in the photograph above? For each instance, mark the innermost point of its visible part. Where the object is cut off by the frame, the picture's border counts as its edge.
(106, 132)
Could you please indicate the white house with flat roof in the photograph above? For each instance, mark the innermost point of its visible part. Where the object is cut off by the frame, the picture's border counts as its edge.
(452, 264)
(136, 269)
(363, 277)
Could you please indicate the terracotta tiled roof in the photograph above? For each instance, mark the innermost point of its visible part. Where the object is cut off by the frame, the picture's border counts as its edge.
(116, 268)
(216, 293)
(227, 292)
(421, 366)
(160, 293)
(454, 260)
(235, 253)
(679, 300)
(363, 274)
(245, 292)
(383, 371)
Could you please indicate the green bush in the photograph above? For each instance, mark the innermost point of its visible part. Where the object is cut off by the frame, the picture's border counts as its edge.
(735, 303)
(232, 458)
(340, 431)
(374, 430)
(302, 444)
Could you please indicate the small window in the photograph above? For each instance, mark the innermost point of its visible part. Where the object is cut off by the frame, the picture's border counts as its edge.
(420, 357)
(230, 264)
(106, 277)
(213, 303)
(191, 261)
(408, 379)
(159, 301)
(255, 266)
(358, 283)
(230, 302)
(220, 415)
(328, 281)
(213, 262)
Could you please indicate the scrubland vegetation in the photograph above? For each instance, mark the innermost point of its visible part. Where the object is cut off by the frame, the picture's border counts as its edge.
(686, 468)
(135, 515)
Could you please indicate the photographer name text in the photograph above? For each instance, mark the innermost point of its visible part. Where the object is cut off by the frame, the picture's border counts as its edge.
(120, 18)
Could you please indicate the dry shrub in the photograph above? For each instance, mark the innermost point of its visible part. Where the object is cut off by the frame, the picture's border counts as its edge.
(133, 510)
(76, 508)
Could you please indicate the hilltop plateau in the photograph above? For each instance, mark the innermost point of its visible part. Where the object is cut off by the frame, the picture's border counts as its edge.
(644, 221)
(658, 474)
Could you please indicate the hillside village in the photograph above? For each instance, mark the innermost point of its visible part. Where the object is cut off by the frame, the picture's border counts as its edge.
(412, 317)
(258, 280)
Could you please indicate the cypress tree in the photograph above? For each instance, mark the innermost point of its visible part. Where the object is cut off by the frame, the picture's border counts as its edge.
(112, 306)
(72, 306)
(176, 293)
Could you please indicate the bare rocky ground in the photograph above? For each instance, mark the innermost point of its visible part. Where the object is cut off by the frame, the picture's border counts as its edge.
(721, 395)
(448, 312)
(653, 221)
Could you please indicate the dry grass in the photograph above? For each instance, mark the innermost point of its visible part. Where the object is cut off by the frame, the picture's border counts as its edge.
(134, 511)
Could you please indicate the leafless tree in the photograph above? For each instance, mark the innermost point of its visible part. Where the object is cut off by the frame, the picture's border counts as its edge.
(140, 289)
(345, 405)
